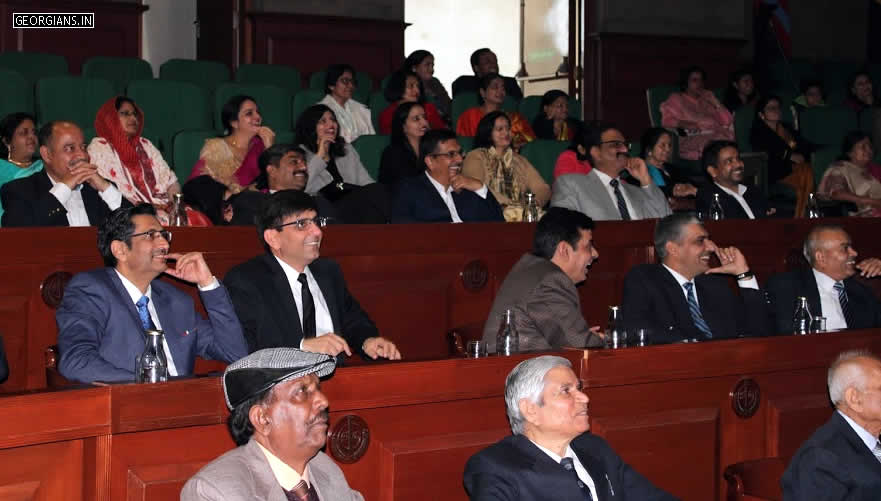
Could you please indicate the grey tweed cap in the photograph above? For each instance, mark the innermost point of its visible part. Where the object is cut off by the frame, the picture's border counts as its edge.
(261, 370)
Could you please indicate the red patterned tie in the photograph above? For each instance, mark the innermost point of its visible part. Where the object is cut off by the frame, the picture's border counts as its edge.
(302, 492)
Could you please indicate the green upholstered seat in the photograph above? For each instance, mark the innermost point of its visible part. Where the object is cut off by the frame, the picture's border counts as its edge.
(273, 103)
(71, 98)
(118, 70)
(286, 77)
(369, 148)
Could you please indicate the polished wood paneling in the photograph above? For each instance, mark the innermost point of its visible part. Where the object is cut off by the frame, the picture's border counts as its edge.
(42, 472)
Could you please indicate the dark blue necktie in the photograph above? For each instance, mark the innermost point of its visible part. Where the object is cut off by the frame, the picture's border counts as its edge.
(695, 310)
(568, 464)
(619, 198)
(144, 313)
(842, 298)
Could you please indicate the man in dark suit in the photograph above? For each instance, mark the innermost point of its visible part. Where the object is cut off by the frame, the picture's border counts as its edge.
(842, 459)
(67, 192)
(290, 297)
(550, 455)
(830, 284)
(104, 313)
(484, 61)
(282, 167)
(721, 161)
(443, 195)
(540, 288)
(683, 298)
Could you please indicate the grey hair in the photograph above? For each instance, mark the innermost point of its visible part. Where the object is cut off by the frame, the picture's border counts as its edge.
(527, 381)
(812, 241)
(844, 374)
(670, 229)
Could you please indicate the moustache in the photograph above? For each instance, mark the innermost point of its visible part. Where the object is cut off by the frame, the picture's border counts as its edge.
(322, 417)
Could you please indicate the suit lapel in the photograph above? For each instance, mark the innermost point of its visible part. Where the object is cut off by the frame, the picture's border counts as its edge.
(866, 457)
(165, 310)
(266, 485)
(124, 296)
(548, 473)
(596, 469)
(435, 204)
(92, 202)
(600, 196)
(57, 215)
(283, 297)
(678, 304)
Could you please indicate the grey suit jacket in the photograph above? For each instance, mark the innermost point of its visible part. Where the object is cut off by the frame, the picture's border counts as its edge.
(244, 474)
(547, 311)
(586, 193)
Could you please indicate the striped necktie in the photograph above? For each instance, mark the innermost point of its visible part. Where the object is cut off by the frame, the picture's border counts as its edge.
(842, 298)
(695, 310)
(302, 492)
(619, 198)
(877, 450)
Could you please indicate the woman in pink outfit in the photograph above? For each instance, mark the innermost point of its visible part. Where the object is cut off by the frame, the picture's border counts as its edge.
(698, 113)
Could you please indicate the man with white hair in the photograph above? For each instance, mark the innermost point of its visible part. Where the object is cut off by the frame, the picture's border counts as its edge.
(550, 455)
(830, 284)
(842, 459)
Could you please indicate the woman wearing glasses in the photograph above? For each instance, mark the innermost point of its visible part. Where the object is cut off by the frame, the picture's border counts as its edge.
(130, 161)
(507, 174)
(353, 117)
(336, 171)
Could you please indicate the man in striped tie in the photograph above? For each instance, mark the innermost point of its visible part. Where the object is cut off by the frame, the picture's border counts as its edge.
(830, 284)
(683, 298)
(842, 459)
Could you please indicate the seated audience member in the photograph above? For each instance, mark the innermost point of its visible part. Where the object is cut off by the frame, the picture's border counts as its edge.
(840, 460)
(861, 94)
(67, 192)
(541, 287)
(421, 62)
(508, 174)
(279, 421)
(830, 284)
(130, 161)
(228, 165)
(741, 90)
(400, 159)
(336, 171)
(492, 96)
(550, 455)
(576, 158)
(721, 161)
(683, 298)
(104, 313)
(854, 177)
(812, 96)
(291, 297)
(788, 153)
(657, 150)
(700, 117)
(18, 145)
(483, 62)
(443, 194)
(406, 87)
(353, 117)
(553, 120)
(282, 167)
(602, 194)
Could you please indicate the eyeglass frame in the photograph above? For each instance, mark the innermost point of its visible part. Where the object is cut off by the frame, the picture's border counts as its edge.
(303, 223)
(166, 234)
(620, 143)
(450, 154)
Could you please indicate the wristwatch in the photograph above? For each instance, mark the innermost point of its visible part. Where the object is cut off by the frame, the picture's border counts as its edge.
(746, 275)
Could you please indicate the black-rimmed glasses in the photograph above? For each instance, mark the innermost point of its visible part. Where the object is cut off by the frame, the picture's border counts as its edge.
(154, 234)
(617, 144)
(450, 154)
(302, 224)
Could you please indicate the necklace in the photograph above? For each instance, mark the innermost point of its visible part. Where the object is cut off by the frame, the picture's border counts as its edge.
(20, 164)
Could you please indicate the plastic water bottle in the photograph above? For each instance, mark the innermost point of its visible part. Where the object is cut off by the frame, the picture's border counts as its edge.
(716, 212)
(801, 318)
(507, 339)
(812, 210)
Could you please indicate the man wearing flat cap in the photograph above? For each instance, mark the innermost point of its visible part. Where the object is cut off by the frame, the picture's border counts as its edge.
(279, 420)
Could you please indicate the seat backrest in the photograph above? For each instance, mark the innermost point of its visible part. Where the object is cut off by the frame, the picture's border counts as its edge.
(822, 158)
(34, 65)
(654, 96)
(542, 154)
(204, 74)
(530, 107)
(304, 99)
(273, 103)
(466, 143)
(16, 94)
(369, 148)
(377, 105)
(286, 77)
(187, 145)
(757, 480)
(827, 125)
(71, 98)
(118, 70)
(835, 75)
(462, 102)
(743, 126)
(170, 107)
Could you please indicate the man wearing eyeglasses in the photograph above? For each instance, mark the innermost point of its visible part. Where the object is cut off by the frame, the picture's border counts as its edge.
(291, 297)
(104, 313)
(602, 193)
(443, 194)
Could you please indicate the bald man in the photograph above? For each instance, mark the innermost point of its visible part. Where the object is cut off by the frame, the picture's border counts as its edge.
(842, 459)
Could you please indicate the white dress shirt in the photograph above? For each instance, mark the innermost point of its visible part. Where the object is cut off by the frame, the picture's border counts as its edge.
(865, 435)
(136, 294)
(287, 477)
(583, 475)
(72, 201)
(606, 179)
(323, 322)
(829, 305)
(738, 195)
(447, 196)
(752, 283)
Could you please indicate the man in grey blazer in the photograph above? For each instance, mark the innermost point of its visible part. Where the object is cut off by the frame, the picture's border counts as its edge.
(602, 194)
(279, 420)
(540, 288)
